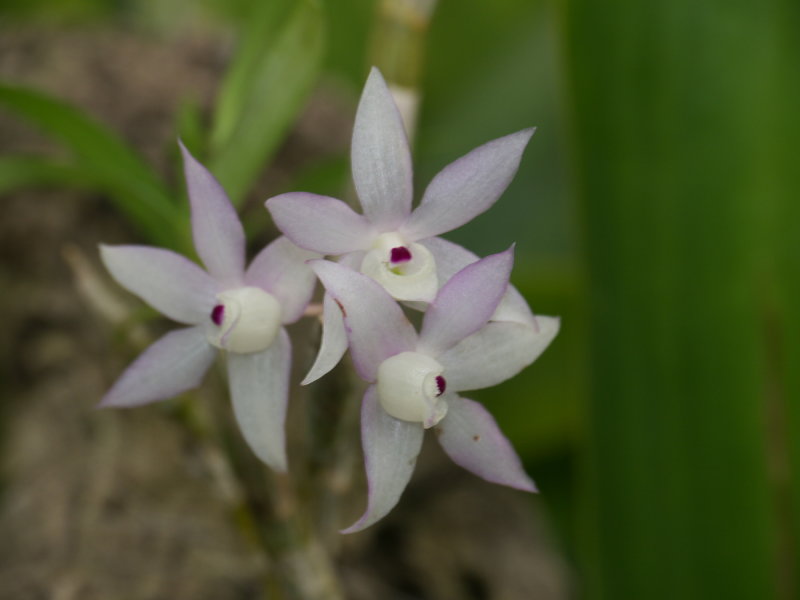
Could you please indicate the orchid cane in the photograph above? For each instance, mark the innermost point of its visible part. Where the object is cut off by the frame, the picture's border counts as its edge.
(391, 243)
(415, 377)
(241, 311)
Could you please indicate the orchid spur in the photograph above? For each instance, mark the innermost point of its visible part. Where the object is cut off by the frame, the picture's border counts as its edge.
(241, 311)
(415, 377)
(389, 242)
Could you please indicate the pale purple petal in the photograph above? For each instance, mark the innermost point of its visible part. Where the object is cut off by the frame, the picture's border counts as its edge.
(470, 436)
(333, 344)
(451, 258)
(259, 386)
(467, 187)
(172, 365)
(391, 448)
(334, 337)
(466, 302)
(320, 223)
(380, 156)
(496, 352)
(376, 326)
(217, 232)
(170, 283)
(281, 270)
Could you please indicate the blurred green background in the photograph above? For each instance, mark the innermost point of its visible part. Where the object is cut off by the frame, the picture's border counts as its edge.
(655, 210)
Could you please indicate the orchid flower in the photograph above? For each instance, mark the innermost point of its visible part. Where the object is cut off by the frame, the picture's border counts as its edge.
(241, 311)
(390, 242)
(415, 378)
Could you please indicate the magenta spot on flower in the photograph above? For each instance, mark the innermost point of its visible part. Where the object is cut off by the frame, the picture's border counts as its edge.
(441, 385)
(400, 254)
(218, 314)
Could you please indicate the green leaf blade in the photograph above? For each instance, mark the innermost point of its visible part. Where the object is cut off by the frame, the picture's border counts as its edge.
(277, 89)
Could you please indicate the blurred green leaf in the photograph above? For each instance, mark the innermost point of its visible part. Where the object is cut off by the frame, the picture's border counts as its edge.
(269, 81)
(27, 171)
(189, 123)
(104, 160)
(349, 27)
(539, 409)
(778, 159)
(669, 99)
(260, 29)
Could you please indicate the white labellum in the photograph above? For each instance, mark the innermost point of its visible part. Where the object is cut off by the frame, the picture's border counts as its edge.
(406, 271)
(244, 320)
(410, 386)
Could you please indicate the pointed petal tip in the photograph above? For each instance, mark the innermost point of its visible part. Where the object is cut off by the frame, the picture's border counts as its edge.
(380, 156)
(526, 486)
(108, 401)
(259, 388)
(313, 375)
(185, 154)
(359, 525)
(279, 465)
(104, 403)
(470, 436)
(542, 323)
(504, 259)
(375, 73)
(107, 252)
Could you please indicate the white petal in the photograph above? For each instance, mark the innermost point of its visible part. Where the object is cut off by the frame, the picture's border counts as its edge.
(333, 344)
(320, 223)
(281, 270)
(334, 337)
(391, 448)
(514, 307)
(451, 258)
(376, 326)
(466, 302)
(467, 187)
(470, 436)
(167, 281)
(217, 232)
(259, 386)
(380, 156)
(172, 365)
(496, 352)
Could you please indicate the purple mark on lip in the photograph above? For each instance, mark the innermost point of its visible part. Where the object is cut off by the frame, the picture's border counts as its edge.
(400, 254)
(441, 385)
(218, 314)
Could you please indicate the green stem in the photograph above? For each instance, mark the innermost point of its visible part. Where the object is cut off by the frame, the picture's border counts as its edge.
(300, 564)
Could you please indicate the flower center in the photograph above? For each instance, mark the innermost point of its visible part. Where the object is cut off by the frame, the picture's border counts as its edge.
(406, 271)
(410, 386)
(244, 320)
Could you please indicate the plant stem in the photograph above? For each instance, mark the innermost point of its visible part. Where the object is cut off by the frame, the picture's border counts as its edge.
(301, 566)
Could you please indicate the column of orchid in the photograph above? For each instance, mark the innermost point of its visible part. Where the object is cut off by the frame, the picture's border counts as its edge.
(476, 331)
